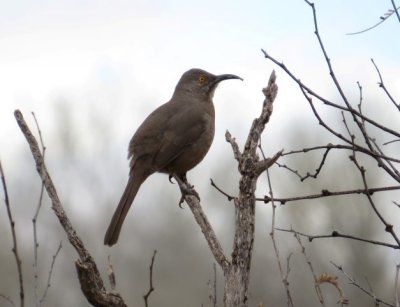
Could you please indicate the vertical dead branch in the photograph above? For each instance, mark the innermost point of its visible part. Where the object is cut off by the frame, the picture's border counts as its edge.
(250, 168)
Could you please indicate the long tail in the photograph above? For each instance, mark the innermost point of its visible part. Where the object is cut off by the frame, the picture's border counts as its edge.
(125, 203)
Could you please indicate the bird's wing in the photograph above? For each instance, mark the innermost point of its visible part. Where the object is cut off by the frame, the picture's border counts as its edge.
(184, 131)
(165, 133)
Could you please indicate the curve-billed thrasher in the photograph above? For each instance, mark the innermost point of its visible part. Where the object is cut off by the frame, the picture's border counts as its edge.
(173, 139)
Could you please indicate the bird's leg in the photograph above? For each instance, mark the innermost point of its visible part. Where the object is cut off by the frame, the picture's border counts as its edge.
(185, 187)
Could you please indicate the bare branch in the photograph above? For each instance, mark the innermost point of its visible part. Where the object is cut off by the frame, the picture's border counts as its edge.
(307, 89)
(356, 284)
(340, 146)
(356, 119)
(296, 172)
(14, 238)
(230, 198)
(50, 274)
(388, 227)
(309, 263)
(383, 18)
(285, 282)
(327, 59)
(259, 123)
(9, 300)
(337, 234)
(318, 170)
(91, 283)
(396, 10)
(206, 228)
(327, 193)
(34, 221)
(264, 164)
(235, 148)
(382, 85)
(392, 141)
(151, 288)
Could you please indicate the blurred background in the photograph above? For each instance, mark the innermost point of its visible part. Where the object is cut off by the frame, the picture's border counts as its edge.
(93, 70)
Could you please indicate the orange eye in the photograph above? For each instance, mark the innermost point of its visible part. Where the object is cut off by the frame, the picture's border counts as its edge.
(202, 79)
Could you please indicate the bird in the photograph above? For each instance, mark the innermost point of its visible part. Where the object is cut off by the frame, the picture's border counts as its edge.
(173, 139)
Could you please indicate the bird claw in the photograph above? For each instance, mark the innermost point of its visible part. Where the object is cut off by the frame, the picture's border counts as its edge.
(181, 201)
(189, 190)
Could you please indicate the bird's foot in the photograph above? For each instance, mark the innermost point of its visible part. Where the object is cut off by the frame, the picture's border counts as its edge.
(188, 190)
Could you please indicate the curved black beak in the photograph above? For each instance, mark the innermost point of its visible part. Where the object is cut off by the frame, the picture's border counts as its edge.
(220, 78)
(226, 77)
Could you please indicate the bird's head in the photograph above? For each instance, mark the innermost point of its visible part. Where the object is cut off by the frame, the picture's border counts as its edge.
(200, 83)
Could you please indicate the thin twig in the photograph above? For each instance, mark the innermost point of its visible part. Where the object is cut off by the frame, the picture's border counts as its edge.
(372, 292)
(230, 198)
(382, 85)
(356, 284)
(308, 261)
(284, 277)
(50, 274)
(388, 227)
(341, 146)
(296, 172)
(337, 234)
(318, 170)
(383, 18)
(358, 117)
(327, 193)
(388, 163)
(6, 298)
(390, 142)
(34, 220)
(151, 289)
(285, 282)
(14, 238)
(396, 9)
(305, 89)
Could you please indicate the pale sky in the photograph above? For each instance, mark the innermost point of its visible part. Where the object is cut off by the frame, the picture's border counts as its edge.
(126, 56)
